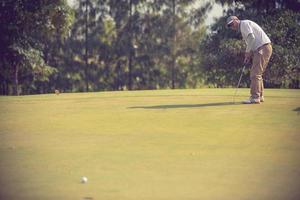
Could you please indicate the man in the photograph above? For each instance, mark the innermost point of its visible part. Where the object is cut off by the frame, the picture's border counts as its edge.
(259, 48)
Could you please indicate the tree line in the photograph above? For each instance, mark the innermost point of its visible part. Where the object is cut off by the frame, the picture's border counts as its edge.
(137, 44)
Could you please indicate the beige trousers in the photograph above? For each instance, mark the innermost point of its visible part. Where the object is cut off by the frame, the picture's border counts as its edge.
(261, 59)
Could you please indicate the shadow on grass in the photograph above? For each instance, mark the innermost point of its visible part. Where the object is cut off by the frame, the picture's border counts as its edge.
(297, 110)
(87, 198)
(187, 105)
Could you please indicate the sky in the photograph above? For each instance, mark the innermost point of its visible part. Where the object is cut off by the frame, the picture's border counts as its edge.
(217, 11)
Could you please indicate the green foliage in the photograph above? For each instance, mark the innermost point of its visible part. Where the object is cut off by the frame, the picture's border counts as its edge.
(26, 29)
(285, 63)
(131, 46)
(31, 61)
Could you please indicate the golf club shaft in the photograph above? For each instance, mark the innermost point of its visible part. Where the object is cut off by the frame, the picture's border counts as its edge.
(238, 85)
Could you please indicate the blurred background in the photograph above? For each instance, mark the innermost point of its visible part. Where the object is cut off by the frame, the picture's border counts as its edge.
(107, 45)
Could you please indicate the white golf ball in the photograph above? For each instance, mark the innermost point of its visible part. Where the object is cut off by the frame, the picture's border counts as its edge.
(84, 179)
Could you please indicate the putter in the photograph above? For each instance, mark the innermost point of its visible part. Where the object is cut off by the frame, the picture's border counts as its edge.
(238, 85)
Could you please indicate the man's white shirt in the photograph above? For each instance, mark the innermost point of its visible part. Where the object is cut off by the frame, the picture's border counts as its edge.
(253, 35)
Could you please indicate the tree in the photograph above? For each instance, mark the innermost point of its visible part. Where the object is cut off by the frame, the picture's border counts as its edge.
(176, 22)
(113, 45)
(22, 33)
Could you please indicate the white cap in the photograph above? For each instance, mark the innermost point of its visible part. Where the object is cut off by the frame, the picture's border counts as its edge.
(230, 19)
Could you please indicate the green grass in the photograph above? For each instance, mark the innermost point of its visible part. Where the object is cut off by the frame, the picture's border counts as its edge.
(144, 145)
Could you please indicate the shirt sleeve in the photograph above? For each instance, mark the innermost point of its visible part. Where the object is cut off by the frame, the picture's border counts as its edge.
(250, 42)
(247, 30)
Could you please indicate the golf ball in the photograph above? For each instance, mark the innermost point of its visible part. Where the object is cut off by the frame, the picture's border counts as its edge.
(84, 179)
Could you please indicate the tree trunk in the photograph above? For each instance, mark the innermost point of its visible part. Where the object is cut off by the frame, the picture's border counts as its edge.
(117, 83)
(173, 65)
(86, 48)
(130, 48)
(16, 80)
(2, 88)
(6, 88)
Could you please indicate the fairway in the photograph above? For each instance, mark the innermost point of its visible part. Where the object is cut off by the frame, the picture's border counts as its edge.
(150, 145)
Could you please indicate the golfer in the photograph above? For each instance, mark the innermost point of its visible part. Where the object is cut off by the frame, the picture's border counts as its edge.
(259, 48)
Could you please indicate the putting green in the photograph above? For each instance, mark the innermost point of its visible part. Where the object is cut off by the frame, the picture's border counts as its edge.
(144, 145)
